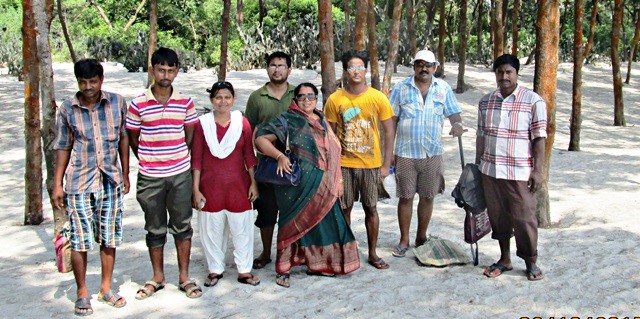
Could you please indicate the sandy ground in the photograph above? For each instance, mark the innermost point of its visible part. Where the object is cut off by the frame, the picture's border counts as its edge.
(590, 256)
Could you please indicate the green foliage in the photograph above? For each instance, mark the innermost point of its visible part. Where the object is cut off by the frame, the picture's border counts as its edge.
(10, 37)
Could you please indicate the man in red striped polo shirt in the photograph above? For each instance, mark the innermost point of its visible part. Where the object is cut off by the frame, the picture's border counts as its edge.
(160, 124)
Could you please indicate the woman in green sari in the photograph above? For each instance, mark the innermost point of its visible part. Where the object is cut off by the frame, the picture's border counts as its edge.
(312, 229)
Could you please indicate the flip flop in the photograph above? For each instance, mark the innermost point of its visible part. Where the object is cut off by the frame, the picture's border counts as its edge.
(489, 271)
(157, 286)
(260, 263)
(378, 264)
(250, 280)
(190, 286)
(106, 298)
(285, 280)
(400, 251)
(212, 280)
(534, 273)
(83, 307)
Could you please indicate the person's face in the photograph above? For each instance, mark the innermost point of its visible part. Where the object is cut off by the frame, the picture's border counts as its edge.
(164, 75)
(306, 99)
(278, 70)
(90, 88)
(424, 70)
(356, 71)
(222, 101)
(506, 78)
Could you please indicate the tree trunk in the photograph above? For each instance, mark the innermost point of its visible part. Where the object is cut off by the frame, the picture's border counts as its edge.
(360, 29)
(262, 12)
(239, 13)
(347, 41)
(480, 19)
(618, 103)
(431, 14)
(135, 15)
(515, 17)
(462, 53)
(325, 19)
(545, 84)
(65, 32)
(592, 29)
(33, 214)
(222, 73)
(393, 47)
(498, 40)
(153, 37)
(442, 29)
(102, 14)
(576, 103)
(374, 66)
(411, 28)
(634, 45)
(564, 19)
(505, 14)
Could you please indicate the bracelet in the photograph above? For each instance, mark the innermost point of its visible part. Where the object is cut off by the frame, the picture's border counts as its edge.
(457, 123)
(277, 157)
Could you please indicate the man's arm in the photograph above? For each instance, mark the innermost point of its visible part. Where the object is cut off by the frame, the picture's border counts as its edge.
(123, 150)
(535, 179)
(479, 148)
(188, 134)
(62, 160)
(334, 128)
(134, 141)
(456, 125)
(389, 127)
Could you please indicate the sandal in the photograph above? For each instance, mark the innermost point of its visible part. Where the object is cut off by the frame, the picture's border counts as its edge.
(260, 263)
(490, 271)
(534, 273)
(379, 264)
(191, 287)
(249, 280)
(212, 280)
(283, 280)
(400, 251)
(83, 307)
(112, 299)
(144, 292)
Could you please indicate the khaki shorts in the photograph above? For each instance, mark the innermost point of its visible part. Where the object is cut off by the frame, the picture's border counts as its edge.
(424, 176)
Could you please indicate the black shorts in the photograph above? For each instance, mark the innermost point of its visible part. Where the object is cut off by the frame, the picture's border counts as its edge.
(266, 206)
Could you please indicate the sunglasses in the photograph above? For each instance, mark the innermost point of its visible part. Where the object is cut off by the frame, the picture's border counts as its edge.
(308, 97)
(354, 68)
(422, 65)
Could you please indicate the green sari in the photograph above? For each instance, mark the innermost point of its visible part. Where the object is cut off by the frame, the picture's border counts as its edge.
(312, 229)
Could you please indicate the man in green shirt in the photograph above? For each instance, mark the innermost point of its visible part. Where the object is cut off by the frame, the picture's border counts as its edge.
(263, 106)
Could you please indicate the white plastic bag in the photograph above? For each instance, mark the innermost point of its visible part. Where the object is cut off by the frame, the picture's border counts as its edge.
(389, 184)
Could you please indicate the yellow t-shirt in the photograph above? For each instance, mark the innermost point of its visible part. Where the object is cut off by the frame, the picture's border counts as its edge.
(358, 118)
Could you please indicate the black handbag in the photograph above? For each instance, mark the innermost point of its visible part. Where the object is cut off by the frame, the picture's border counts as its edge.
(266, 172)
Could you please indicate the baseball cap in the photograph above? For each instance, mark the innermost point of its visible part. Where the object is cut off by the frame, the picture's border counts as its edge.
(425, 55)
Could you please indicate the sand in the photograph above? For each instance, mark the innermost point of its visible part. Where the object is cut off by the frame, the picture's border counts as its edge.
(591, 255)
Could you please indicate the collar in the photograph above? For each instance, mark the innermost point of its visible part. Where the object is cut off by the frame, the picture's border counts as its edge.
(264, 92)
(412, 81)
(175, 95)
(76, 101)
(514, 93)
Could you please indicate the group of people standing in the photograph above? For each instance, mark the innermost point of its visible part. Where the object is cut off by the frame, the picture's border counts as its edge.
(208, 163)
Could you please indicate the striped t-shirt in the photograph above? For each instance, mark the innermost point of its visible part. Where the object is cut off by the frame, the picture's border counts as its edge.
(162, 150)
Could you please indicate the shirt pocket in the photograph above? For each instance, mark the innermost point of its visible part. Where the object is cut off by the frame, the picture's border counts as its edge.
(407, 111)
(438, 107)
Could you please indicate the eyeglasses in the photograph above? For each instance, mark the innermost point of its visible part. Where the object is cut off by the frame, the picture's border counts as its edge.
(308, 97)
(422, 65)
(354, 68)
(277, 66)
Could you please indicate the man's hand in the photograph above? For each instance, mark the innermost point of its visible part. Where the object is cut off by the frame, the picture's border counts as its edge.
(535, 181)
(384, 171)
(56, 197)
(126, 184)
(457, 129)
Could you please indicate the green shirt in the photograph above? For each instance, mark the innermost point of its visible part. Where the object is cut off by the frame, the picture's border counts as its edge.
(262, 107)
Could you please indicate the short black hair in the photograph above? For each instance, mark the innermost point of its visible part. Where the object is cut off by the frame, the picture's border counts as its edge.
(305, 84)
(280, 55)
(165, 56)
(220, 85)
(88, 68)
(507, 59)
(347, 56)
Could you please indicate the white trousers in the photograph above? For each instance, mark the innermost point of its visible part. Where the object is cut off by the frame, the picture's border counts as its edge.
(214, 235)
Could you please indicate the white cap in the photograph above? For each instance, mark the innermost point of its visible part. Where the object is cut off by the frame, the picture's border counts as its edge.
(427, 56)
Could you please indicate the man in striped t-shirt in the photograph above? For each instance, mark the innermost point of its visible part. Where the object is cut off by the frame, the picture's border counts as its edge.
(160, 123)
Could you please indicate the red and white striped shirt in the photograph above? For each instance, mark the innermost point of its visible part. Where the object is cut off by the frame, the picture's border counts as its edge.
(509, 125)
(162, 149)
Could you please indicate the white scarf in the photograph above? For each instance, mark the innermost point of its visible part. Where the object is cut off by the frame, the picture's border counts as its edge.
(228, 143)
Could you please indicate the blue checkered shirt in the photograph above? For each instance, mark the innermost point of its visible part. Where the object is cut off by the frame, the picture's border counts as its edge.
(420, 122)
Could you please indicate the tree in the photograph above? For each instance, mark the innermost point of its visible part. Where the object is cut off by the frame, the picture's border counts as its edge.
(373, 46)
(442, 28)
(65, 32)
(462, 48)
(325, 19)
(545, 84)
(393, 47)
(411, 27)
(618, 103)
(359, 44)
(515, 16)
(222, 73)
(239, 14)
(592, 29)
(479, 29)
(578, 59)
(634, 44)
(431, 14)
(102, 14)
(496, 29)
(262, 12)
(134, 16)
(153, 37)
(33, 214)
(346, 39)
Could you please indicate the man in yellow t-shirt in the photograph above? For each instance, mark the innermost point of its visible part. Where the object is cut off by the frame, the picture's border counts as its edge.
(355, 113)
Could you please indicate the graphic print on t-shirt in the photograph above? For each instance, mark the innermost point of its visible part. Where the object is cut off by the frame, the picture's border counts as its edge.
(357, 132)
